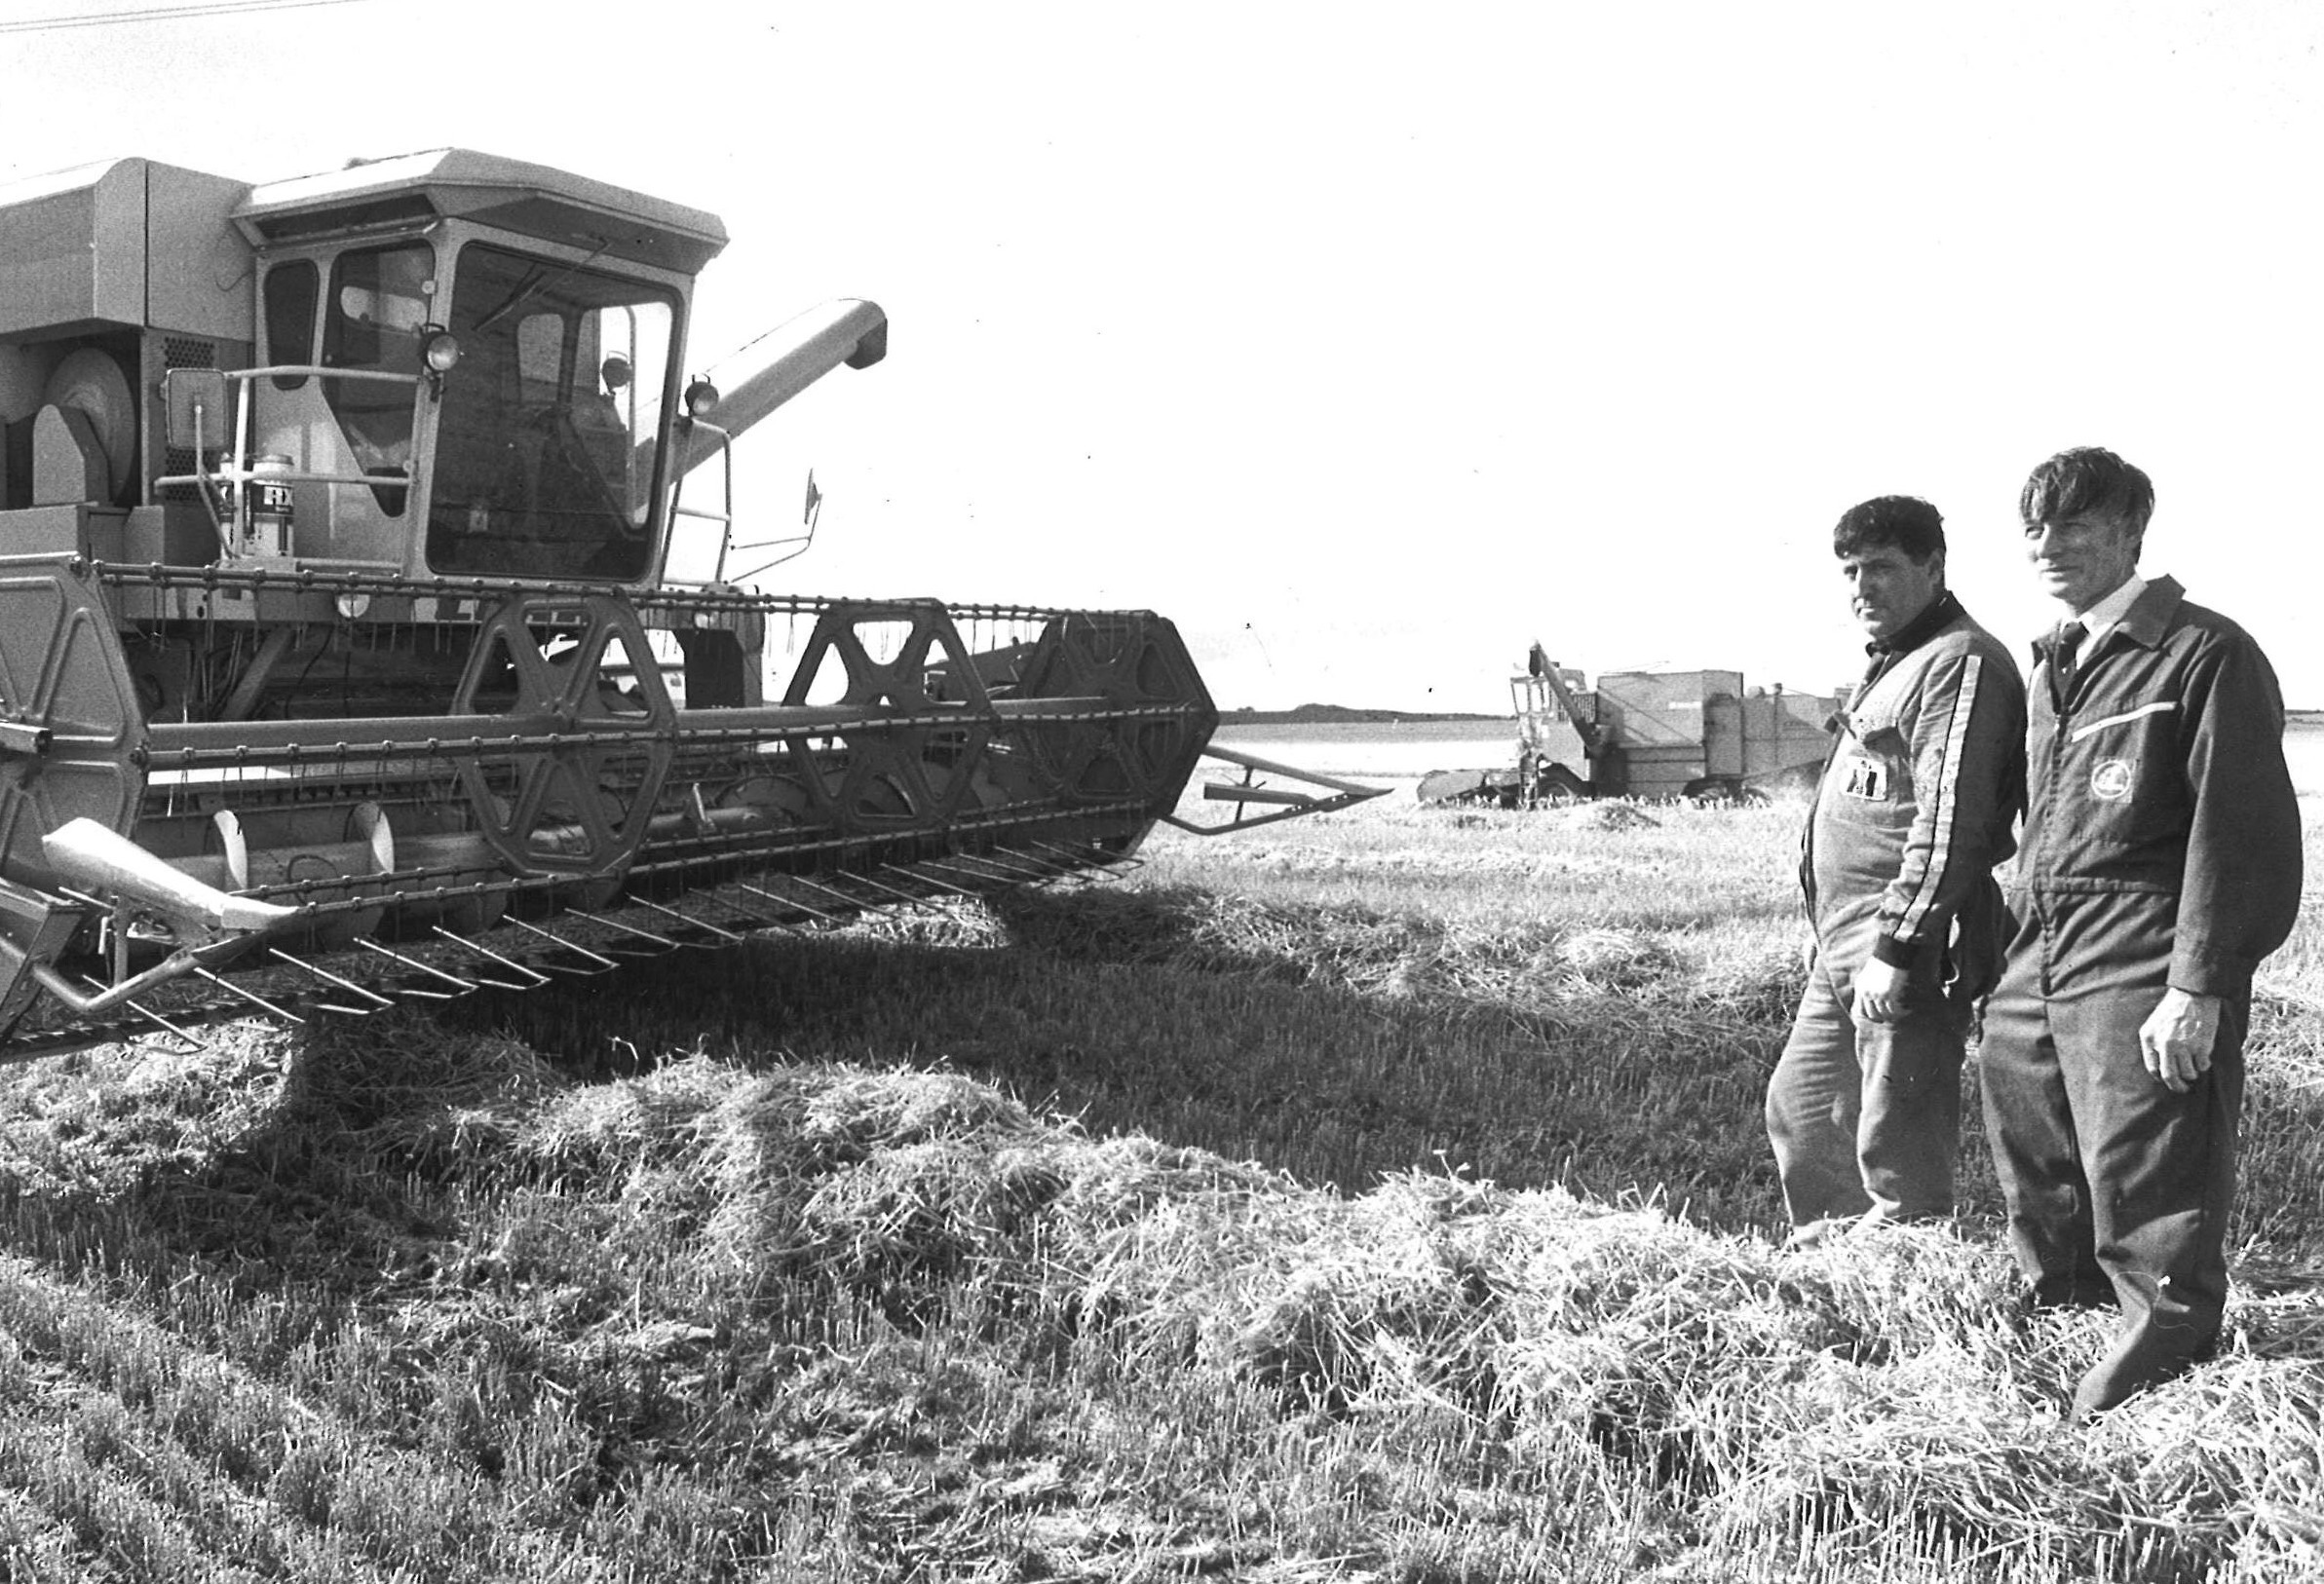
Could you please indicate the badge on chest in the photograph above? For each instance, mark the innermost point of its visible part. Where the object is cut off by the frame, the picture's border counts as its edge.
(2111, 780)
(1867, 779)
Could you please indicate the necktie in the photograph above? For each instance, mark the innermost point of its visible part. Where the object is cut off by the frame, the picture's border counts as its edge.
(2066, 658)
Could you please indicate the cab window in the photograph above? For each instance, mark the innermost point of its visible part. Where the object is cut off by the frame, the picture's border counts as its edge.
(291, 290)
(375, 315)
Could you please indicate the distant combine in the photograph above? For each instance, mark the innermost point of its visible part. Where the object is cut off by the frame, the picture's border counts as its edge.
(1647, 734)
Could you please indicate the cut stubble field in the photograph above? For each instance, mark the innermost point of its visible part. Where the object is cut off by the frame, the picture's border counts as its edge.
(1377, 1197)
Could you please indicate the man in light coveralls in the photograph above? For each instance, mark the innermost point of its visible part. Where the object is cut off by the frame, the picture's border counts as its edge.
(1925, 774)
(2160, 863)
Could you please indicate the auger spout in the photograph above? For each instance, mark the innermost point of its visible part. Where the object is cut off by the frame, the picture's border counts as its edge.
(760, 377)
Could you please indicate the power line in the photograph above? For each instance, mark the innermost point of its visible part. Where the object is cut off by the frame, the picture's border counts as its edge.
(159, 13)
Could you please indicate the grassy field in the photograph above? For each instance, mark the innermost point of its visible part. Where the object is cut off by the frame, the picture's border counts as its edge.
(1380, 1197)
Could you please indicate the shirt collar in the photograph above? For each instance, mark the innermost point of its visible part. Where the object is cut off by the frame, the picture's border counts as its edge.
(1920, 629)
(2102, 618)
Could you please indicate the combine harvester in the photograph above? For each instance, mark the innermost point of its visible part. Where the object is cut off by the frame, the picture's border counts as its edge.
(340, 660)
(1647, 734)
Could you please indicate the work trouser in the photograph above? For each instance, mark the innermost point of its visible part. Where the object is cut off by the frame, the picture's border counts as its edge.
(1866, 1116)
(2116, 1185)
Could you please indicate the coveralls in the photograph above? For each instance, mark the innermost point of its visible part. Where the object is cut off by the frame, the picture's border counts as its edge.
(2162, 849)
(1926, 776)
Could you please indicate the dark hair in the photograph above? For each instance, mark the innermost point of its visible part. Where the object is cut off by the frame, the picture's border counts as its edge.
(2087, 481)
(1903, 522)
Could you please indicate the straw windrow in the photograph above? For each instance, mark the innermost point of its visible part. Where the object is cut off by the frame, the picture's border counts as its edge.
(420, 1301)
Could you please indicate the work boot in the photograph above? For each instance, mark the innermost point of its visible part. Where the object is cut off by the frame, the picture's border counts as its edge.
(2143, 1356)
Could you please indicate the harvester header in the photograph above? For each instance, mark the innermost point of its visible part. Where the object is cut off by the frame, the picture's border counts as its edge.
(340, 656)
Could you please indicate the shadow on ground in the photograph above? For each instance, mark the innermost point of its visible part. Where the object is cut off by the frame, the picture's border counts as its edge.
(1337, 1045)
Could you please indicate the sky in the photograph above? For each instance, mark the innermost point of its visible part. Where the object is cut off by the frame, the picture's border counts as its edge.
(1371, 344)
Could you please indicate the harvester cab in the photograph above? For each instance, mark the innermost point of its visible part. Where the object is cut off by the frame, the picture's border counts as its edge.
(340, 657)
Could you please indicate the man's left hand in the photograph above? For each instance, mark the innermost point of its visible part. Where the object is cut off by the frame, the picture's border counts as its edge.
(1880, 992)
(2177, 1038)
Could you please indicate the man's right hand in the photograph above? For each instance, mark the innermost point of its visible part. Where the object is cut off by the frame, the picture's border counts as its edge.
(2177, 1038)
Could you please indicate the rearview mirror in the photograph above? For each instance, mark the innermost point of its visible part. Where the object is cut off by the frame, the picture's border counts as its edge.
(194, 402)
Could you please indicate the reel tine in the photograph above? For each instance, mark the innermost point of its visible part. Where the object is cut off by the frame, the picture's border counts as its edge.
(1014, 875)
(907, 898)
(627, 929)
(254, 998)
(841, 897)
(915, 870)
(1086, 859)
(753, 918)
(952, 867)
(460, 984)
(687, 918)
(1042, 868)
(607, 964)
(329, 977)
(792, 903)
(538, 979)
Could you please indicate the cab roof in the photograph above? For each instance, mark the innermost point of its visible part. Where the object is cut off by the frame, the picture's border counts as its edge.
(533, 200)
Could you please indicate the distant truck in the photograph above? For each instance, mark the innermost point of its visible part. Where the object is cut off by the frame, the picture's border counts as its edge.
(1647, 734)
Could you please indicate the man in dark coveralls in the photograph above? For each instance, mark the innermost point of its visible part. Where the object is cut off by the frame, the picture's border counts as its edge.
(2159, 863)
(1914, 810)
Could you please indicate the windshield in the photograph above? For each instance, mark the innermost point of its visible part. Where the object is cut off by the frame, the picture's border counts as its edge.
(544, 461)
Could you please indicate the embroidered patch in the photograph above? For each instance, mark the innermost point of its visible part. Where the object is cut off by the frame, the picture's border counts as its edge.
(2111, 778)
(1867, 779)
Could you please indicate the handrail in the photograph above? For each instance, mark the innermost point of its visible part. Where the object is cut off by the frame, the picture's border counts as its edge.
(237, 469)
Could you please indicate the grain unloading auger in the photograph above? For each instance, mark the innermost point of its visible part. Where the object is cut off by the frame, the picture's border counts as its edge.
(341, 662)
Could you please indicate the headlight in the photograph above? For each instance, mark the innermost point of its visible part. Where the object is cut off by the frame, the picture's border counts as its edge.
(440, 350)
(701, 399)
